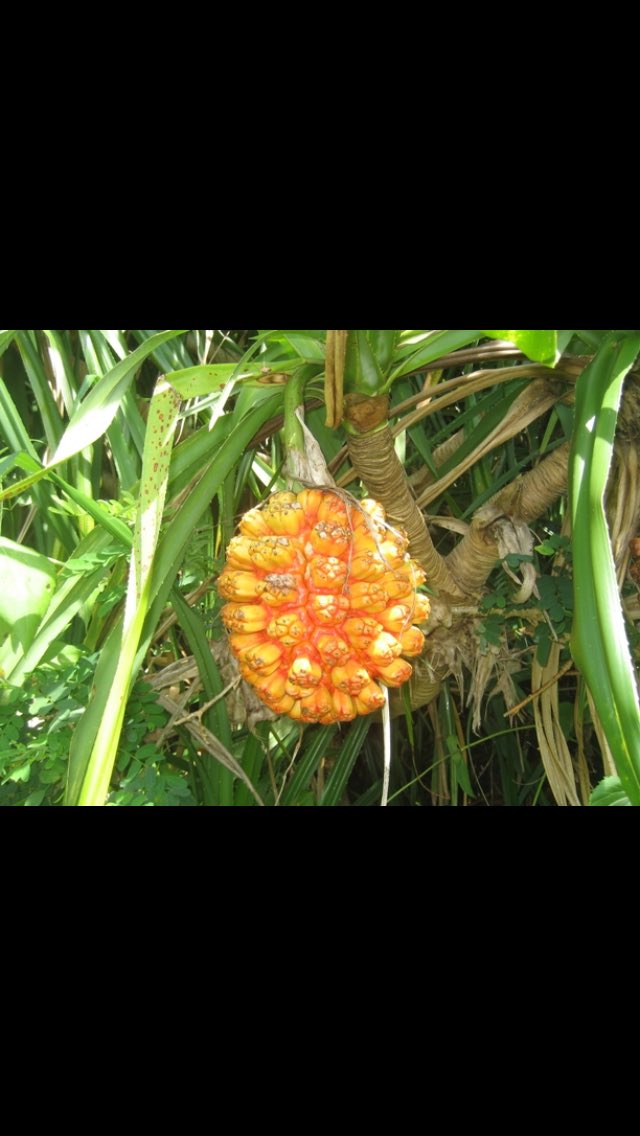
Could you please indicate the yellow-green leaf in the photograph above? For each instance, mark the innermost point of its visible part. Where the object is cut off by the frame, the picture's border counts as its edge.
(540, 346)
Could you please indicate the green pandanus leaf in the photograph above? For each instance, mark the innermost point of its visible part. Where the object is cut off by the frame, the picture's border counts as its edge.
(362, 371)
(93, 416)
(163, 414)
(541, 346)
(598, 640)
(383, 344)
(117, 659)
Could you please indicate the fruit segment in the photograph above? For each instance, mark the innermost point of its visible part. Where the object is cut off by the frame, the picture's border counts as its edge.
(323, 603)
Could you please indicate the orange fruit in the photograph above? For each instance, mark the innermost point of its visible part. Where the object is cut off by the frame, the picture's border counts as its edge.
(322, 604)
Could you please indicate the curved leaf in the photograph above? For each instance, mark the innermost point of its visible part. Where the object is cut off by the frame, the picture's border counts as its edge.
(433, 345)
(540, 346)
(27, 583)
(598, 638)
(361, 369)
(609, 792)
(5, 339)
(96, 412)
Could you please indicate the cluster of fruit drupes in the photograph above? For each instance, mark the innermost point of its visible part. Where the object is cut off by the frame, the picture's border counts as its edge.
(322, 604)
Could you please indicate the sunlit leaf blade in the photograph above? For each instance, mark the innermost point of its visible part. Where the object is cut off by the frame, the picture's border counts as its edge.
(598, 639)
(94, 415)
(27, 582)
(27, 344)
(540, 346)
(13, 431)
(5, 339)
(71, 594)
(163, 414)
(194, 381)
(436, 344)
(96, 412)
(609, 792)
(96, 510)
(309, 350)
(12, 428)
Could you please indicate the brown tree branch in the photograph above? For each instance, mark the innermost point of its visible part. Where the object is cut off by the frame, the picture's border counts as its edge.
(472, 561)
(377, 464)
(524, 500)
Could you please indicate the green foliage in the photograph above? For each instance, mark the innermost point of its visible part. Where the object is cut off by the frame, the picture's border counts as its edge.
(541, 346)
(553, 544)
(143, 774)
(362, 372)
(37, 722)
(545, 617)
(349, 750)
(599, 642)
(26, 589)
(609, 792)
(97, 567)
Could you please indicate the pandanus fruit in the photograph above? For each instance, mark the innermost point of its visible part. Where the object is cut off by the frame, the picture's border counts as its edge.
(322, 605)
